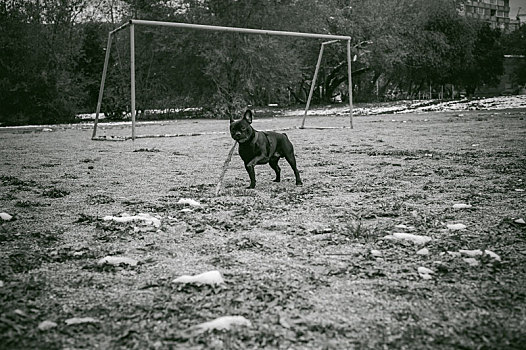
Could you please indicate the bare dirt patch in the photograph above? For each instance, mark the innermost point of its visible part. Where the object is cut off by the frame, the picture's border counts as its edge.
(297, 260)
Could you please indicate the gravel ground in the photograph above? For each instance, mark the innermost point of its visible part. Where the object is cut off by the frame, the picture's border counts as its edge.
(310, 267)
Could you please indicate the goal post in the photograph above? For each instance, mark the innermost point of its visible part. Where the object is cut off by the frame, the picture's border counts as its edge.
(133, 22)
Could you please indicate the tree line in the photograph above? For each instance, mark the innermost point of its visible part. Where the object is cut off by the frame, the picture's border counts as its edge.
(52, 54)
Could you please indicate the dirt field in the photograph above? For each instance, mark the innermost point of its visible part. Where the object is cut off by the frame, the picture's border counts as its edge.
(297, 261)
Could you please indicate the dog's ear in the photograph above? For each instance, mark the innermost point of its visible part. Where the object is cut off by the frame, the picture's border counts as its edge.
(248, 116)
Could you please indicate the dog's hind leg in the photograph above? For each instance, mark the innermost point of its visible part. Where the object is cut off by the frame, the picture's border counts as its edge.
(273, 162)
(291, 159)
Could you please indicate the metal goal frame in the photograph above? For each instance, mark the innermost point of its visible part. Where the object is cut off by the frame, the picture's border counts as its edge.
(133, 22)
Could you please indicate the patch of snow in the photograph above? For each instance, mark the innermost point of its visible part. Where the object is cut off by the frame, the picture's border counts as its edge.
(5, 216)
(190, 202)
(492, 254)
(470, 253)
(461, 206)
(210, 277)
(471, 261)
(376, 253)
(456, 227)
(117, 260)
(423, 251)
(404, 227)
(519, 221)
(491, 103)
(425, 273)
(46, 325)
(146, 218)
(417, 239)
(80, 320)
(20, 312)
(222, 323)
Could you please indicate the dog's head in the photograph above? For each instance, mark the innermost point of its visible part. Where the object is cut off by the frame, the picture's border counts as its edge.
(240, 129)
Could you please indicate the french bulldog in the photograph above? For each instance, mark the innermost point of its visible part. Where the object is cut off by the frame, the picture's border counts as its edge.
(262, 147)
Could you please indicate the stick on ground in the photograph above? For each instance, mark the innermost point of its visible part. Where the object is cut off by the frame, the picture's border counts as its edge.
(223, 170)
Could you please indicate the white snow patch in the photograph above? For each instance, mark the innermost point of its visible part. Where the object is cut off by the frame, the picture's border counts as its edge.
(492, 254)
(471, 261)
(222, 323)
(210, 277)
(456, 227)
(5, 216)
(146, 218)
(376, 253)
(417, 239)
(117, 260)
(190, 202)
(471, 253)
(425, 273)
(80, 320)
(423, 251)
(46, 325)
(461, 206)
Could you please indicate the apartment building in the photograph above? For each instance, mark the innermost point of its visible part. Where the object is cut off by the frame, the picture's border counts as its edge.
(495, 12)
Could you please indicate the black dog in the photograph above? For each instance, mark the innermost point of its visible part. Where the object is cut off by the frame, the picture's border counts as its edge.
(258, 147)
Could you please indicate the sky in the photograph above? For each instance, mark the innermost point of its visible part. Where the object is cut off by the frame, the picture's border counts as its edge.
(514, 7)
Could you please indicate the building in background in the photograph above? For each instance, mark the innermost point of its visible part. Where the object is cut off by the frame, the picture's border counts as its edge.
(495, 12)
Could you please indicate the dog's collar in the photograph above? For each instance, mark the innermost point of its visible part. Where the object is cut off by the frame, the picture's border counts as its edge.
(255, 138)
(252, 139)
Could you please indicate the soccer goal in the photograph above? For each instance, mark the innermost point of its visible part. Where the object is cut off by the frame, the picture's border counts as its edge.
(134, 22)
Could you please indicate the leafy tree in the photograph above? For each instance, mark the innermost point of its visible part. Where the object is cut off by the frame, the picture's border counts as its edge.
(38, 44)
(486, 65)
(515, 44)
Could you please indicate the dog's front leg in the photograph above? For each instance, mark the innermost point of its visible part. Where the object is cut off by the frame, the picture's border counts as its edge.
(252, 174)
(261, 159)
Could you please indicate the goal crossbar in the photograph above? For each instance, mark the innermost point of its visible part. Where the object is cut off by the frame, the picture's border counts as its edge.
(239, 30)
(131, 24)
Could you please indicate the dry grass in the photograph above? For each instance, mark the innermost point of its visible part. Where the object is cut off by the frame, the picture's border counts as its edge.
(296, 260)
